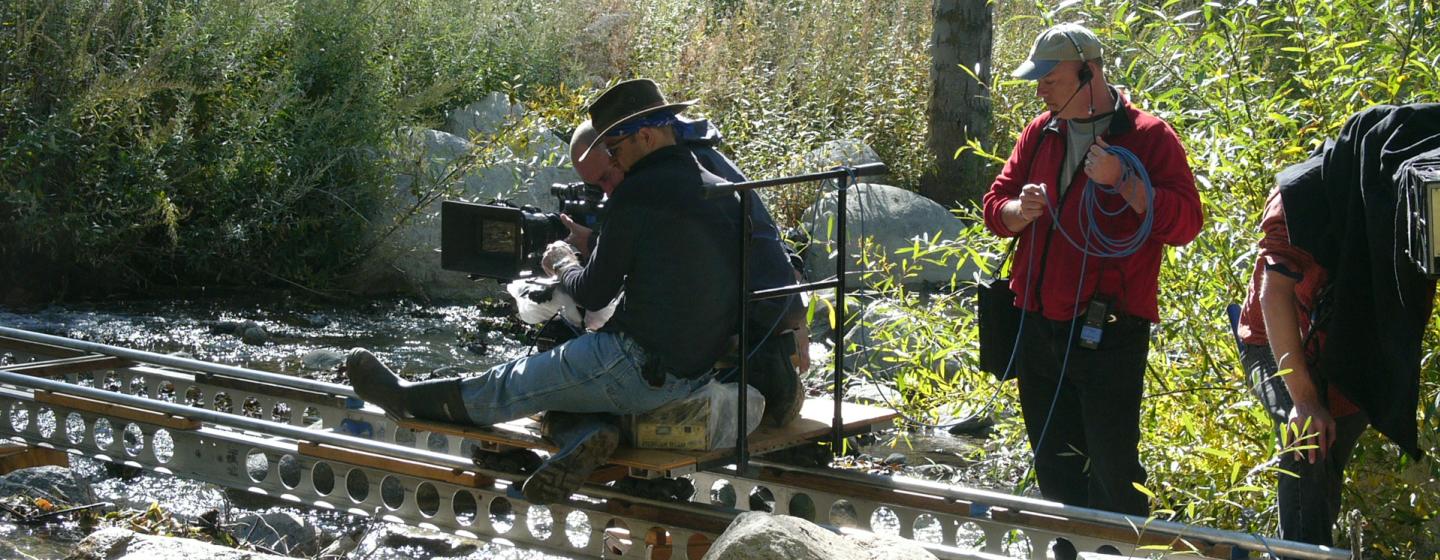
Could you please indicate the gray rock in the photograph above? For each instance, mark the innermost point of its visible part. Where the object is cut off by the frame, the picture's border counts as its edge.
(115, 543)
(482, 117)
(762, 536)
(835, 153)
(885, 547)
(425, 543)
(280, 531)
(57, 484)
(253, 333)
(894, 218)
(322, 359)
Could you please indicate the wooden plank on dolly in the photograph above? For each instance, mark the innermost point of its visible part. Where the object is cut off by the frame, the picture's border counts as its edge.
(117, 410)
(399, 465)
(16, 456)
(812, 425)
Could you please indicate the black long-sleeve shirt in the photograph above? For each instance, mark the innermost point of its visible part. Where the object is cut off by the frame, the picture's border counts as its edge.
(675, 254)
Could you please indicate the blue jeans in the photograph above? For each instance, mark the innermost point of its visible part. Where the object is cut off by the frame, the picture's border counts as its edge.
(597, 372)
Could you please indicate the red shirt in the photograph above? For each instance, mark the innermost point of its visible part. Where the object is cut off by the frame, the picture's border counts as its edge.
(1132, 281)
(1277, 254)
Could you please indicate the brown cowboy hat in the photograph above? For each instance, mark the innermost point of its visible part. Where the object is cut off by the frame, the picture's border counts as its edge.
(626, 101)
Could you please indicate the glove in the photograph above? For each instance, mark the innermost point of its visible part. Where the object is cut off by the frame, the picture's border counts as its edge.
(558, 257)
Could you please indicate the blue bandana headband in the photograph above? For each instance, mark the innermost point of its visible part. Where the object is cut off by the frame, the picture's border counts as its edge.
(656, 119)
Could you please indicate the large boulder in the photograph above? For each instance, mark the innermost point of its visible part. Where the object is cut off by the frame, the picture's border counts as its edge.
(482, 117)
(510, 158)
(893, 218)
(837, 153)
(54, 483)
(115, 543)
(762, 536)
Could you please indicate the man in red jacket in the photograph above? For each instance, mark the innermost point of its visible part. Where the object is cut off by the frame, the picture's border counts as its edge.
(1080, 397)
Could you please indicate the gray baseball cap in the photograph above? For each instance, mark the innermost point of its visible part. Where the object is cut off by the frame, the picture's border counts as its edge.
(1067, 41)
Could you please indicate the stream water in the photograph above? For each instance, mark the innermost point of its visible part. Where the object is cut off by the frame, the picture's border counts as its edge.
(306, 339)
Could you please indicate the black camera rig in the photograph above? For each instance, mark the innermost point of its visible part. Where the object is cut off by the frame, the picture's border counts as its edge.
(505, 241)
(1419, 185)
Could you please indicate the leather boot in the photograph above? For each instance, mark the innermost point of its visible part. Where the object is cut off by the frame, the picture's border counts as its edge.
(586, 443)
(437, 400)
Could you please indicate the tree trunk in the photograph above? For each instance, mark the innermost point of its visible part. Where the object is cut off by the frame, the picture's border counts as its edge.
(959, 108)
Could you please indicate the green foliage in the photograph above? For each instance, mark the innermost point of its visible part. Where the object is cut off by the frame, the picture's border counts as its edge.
(160, 142)
(1251, 87)
(163, 142)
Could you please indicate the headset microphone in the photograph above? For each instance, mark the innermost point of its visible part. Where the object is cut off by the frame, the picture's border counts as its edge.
(1085, 74)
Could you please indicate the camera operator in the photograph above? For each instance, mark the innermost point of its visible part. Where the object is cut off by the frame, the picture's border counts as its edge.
(666, 246)
(782, 336)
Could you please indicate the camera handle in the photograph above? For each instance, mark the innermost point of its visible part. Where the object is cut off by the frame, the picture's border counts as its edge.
(845, 178)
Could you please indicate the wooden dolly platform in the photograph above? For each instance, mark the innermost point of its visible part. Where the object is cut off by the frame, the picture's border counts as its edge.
(812, 425)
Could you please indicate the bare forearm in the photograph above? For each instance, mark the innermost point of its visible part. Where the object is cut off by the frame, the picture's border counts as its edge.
(1282, 326)
(1011, 216)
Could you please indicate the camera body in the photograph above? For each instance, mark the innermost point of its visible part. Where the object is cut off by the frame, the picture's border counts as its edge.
(504, 241)
(1419, 185)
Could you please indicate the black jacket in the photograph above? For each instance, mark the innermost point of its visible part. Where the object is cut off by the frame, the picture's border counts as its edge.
(675, 254)
(1345, 210)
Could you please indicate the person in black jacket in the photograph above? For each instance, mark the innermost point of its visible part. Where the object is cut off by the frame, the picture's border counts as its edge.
(666, 246)
(780, 336)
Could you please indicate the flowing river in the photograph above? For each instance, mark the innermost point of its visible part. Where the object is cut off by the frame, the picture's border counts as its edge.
(307, 339)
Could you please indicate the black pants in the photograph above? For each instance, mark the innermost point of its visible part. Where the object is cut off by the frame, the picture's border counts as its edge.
(1309, 502)
(1088, 454)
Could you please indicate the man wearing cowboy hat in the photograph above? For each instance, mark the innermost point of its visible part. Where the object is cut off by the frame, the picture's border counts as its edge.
(783, 339)
(673, 254)
(1081, 397)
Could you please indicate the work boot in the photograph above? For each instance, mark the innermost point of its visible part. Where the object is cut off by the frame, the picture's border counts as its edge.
(584, 446)
(437, 400)
(778, 382)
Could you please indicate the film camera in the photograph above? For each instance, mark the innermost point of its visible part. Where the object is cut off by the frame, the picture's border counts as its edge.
(1419, 183)
(505, 241)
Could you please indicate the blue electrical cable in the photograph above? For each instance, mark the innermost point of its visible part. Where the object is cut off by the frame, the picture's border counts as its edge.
(1105, 245)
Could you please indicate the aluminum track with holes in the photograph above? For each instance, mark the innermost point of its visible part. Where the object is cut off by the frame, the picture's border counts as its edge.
(315, 443)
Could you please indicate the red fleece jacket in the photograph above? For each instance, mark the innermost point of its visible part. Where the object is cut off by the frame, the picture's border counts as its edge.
(1133, 281)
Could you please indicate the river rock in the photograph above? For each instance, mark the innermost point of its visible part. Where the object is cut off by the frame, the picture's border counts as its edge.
(322, 359)
(115, 543)
(886, 547)
(253, 333)
(893, 217)
(280, 531)
(762, 536)
(57, 484)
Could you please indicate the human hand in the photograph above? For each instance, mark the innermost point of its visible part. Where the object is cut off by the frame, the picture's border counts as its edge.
(1132, 190)
(559, 256)
(1310, 424)
(579, 235)
(1032, 201)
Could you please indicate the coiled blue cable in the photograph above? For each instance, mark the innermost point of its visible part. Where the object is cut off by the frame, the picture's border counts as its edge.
(1097, 242)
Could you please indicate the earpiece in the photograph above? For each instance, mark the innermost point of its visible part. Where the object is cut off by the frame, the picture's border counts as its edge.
(1085, 74)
